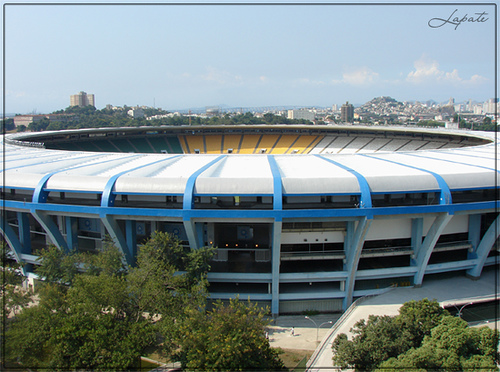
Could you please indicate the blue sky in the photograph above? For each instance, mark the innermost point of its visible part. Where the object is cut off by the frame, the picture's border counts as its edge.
(187, 56)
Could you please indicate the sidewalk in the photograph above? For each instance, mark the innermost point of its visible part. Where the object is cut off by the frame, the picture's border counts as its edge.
(306, 335)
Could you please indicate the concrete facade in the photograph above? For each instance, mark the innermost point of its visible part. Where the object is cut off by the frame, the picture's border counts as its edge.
(294, 232)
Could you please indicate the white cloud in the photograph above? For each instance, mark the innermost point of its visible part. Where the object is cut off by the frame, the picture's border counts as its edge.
(427, 70)
(478, 79)
(359, 76)
(307, 81)
(215, 76)
(15, 94)
(221, 77)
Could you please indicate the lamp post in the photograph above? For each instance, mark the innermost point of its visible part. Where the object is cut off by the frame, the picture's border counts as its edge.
(459, 313)
(318, 327)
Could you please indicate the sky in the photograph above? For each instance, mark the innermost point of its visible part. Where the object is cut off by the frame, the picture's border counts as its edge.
(245, 55)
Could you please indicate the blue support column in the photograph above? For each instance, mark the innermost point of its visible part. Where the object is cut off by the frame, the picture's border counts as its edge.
(131, 237)
(474, 234)
(200, 234)
(51, 229)
(349, 237)
(352, 258)
(277, 184)
(484, 248)
(119, 239)
(276, 260)
(425, 251)
(417, 231)
(11, 238)
(24, 232)
(72, 233)
(190, 228)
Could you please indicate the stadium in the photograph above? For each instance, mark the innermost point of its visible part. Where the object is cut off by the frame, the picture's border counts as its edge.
(303, 217)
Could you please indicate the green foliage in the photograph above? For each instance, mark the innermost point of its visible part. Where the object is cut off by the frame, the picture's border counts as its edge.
(8, 124)
(57, 266)
(374, 341)
(383, 337)
(109, 260)
(96, 314)
(84, 327)
(227, 338)
(89, 117)
(39, 125)
(418, 318)
(169, 278)
(452, 346)
(13, 297)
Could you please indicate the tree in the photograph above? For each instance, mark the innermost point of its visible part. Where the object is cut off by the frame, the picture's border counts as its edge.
(56, 266)
(374, 341)
(452, 346)
(86, 327)
(14, 298)
(8, 124)
(383, 337)
(39, 125)
(227, 338)
(418, 318)
(169, 278)
(96, 314)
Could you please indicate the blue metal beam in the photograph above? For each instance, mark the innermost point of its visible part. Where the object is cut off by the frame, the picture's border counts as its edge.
(455, 162)
(464, 208)
(484, 247)
(15, 244)
(277, 184)
(51, 229)
(189, 190)
(352, 258)
(364, 187)
(417, 228)
(474, 233)
(131, 237)
(116, 234)
(72, 232)
(190, 228)
(11, 238)
(445, 194)
(23, 222)
(275, 266)
(108, 196)
(432, 236)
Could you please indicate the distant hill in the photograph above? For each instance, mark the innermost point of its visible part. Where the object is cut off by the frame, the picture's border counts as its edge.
(380, 102)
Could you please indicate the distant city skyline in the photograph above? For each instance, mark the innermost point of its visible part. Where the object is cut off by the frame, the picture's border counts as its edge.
(186, 56)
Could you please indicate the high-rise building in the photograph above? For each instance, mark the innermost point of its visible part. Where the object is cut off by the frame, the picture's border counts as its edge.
(489, 106)
(301, 114)
(347, 113)
(82, 99)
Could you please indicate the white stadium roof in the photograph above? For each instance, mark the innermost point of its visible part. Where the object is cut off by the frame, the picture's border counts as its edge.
(231, 174)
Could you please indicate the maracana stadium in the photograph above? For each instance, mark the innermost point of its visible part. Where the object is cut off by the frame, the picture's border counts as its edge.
(303, 217)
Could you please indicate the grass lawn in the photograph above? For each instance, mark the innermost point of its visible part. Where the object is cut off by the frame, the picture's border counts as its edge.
(294, 359)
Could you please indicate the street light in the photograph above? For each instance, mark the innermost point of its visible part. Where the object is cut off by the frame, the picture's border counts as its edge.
(459, 313)
(318, 327)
